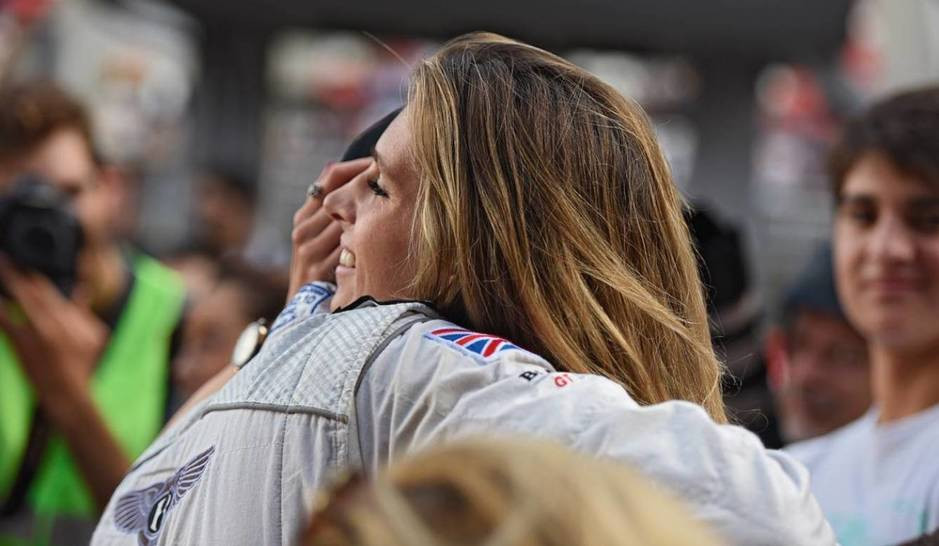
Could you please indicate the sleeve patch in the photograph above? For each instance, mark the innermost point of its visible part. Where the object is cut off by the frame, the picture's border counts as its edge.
(307, 302)
(483, 346)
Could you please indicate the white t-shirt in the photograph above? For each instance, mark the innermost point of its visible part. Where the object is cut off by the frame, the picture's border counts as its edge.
(877, 484)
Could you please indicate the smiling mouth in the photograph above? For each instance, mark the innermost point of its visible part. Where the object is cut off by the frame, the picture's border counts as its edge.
(893, 286)
(346, 258)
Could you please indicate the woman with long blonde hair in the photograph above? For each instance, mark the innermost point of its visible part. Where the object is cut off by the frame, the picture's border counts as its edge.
(511, 257)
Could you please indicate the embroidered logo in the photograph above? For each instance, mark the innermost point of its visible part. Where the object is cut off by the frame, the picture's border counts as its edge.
(305, 303)
(483, 345)
(145, 511)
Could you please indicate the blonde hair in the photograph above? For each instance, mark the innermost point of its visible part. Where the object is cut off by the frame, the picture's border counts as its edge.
(547, 215)
(504, 493)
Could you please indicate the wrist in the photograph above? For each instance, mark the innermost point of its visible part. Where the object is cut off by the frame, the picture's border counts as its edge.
(66, 406)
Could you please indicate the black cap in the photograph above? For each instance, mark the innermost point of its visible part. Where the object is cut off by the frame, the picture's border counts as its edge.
(363, 144)
(722, 264)
(814, 288)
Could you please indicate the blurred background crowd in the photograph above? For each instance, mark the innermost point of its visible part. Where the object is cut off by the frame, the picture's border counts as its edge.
(214, 117)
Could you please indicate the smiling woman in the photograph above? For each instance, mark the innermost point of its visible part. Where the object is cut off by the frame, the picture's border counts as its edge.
(511, 260)
(376, 213)
(554, 223)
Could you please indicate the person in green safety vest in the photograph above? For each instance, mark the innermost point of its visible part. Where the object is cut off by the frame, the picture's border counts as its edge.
(84, 378)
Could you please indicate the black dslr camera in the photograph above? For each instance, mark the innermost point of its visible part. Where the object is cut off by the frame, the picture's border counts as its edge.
(39, 232)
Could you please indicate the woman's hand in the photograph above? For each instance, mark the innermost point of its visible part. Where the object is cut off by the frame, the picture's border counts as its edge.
(315, 237)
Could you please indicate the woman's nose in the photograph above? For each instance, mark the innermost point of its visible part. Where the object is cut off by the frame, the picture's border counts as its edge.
(340, 204)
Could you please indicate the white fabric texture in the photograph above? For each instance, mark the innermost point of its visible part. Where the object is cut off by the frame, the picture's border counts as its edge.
(277, 431)
(313, 401)
(877, 484)
(423, 389)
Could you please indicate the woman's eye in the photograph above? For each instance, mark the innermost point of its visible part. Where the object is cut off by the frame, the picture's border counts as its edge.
(376, 188)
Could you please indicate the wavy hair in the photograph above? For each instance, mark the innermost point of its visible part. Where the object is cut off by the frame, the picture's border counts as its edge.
(547, 215)
(503, 493)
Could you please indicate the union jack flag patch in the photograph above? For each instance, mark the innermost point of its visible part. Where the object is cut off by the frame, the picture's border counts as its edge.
(483, 345)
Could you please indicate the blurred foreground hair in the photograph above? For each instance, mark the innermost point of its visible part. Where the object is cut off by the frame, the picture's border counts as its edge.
(508, 493)
(547, 215)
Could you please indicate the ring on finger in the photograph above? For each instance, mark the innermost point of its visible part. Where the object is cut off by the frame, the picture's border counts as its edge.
(314, 190)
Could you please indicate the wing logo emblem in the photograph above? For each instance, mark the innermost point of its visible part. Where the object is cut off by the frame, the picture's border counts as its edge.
(143, 512)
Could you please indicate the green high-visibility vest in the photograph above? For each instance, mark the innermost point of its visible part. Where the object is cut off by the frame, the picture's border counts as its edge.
(129, 387)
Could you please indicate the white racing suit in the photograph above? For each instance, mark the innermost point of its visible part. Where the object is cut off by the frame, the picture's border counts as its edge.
(365, 385)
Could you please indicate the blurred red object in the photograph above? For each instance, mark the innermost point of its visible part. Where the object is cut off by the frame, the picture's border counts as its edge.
(27, 11)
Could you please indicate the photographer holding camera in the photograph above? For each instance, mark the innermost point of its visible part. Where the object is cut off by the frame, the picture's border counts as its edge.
(85, 325)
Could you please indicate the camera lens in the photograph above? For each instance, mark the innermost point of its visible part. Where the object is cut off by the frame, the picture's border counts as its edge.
(38, 232)
(38, 241)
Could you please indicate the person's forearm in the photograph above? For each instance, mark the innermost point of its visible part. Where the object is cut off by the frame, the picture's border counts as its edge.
(100, 459)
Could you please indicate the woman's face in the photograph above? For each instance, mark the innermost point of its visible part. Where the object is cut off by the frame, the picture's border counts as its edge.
(376, 210)
(887, 255)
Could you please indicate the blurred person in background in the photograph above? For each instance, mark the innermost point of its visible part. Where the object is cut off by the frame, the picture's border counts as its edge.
(240, 295)
(877, 478)
(734, 313)
(227, 224)
(508, 492)
(818, 364)
(198, 269)
(84, 379)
